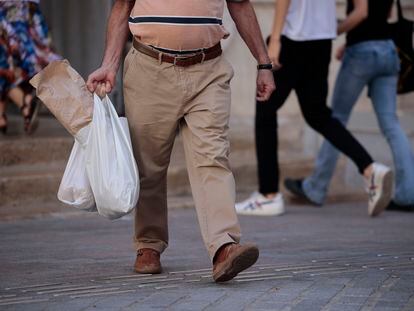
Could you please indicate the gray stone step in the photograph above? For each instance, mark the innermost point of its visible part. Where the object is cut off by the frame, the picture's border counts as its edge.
(31, 167)
(36, 150)
(52, 143)
(49, 143)
(40, 181)
(30, 182)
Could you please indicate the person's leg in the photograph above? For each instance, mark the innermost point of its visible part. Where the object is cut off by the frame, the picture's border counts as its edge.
(266, 134)
(266, 126)
(347, 89)
(152, 103)
(205, 136)
(24, 97)
(312, 93)
(3, 117)
(268, 201)
(5, 75)
(312, 96)
(384, 96)
(17, 96)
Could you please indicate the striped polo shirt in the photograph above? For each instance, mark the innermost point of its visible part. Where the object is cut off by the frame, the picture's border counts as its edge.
(178, 24)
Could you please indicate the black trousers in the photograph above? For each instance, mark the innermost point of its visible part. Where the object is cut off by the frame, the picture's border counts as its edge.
(305, 66)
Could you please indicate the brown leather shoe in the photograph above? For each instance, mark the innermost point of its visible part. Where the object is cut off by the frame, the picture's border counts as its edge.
(231, 259)
(148, 261)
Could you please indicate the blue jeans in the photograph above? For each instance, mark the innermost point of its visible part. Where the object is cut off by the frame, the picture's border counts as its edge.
(374, 64)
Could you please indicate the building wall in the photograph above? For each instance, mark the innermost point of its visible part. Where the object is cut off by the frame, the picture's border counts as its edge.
(78, 28)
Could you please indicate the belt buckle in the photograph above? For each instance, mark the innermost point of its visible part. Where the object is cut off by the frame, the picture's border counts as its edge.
(180, 57)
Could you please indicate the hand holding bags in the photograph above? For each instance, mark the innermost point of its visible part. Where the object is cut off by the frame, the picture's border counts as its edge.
(101, 168)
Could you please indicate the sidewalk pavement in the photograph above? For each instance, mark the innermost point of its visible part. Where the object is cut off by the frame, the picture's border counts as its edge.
(330, 258)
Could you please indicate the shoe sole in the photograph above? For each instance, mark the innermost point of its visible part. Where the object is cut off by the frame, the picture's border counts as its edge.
(148, 271)
(385, 198)
(261, 213)
(237, 264)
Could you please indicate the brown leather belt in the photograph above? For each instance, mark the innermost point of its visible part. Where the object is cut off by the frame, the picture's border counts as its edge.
(179, 60)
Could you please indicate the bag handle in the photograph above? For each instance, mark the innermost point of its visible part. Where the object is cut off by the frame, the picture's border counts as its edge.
(100, 90)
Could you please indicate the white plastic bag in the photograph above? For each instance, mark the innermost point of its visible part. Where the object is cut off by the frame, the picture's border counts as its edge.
(75, 189)
(110, 163)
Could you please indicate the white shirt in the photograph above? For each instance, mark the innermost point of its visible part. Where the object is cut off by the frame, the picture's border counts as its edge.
(310, 20)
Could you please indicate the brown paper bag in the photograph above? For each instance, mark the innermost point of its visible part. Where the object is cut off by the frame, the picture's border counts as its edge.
(64, 92)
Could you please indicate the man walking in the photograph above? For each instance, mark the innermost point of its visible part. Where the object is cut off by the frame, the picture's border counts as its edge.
(175, 78)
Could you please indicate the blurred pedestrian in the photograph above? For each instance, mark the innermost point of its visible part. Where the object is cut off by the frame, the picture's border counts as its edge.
(24, 50)
(300, 48)
(175, 78)
(369, 58)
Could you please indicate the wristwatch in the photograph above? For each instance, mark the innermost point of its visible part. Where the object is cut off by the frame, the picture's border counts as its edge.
(265, 66)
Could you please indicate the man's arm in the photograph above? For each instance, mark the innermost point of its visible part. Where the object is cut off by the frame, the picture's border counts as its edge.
(116, 37)
(281, 10)
(358, 14)
(245, 19)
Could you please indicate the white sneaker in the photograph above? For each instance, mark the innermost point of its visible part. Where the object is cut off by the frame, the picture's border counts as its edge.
(259, 205)
(379, 188)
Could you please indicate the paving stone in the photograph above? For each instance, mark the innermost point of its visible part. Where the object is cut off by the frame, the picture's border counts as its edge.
(260, 305)
(300, 267)
(357, 300)
(310, 304)
(390, 303)
(397, 295)
(346, 307)
(122, 301)
(199, 300)
(384, 308)
(235, 300)
(159, 300)
(358, 291)
(70, 305)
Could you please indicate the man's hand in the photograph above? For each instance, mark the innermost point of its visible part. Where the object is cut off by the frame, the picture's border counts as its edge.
(274, 52)
(116, 37)
(265, 85)
(103, 75)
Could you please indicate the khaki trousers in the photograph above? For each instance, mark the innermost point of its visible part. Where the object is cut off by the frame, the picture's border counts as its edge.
(161, 99)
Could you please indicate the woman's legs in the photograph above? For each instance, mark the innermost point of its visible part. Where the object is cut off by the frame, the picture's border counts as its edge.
(384, 97)
(312, 93)
(378, 177)
(3, 120)
(267, 136)
(268, 201)
(347, 89)
(27, 104)
(21, 99)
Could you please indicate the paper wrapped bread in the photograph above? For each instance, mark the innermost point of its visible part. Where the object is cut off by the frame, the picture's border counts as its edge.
(64, 92)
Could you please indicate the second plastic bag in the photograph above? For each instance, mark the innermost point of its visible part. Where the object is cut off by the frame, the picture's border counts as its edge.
(75, 189)
(110, 163)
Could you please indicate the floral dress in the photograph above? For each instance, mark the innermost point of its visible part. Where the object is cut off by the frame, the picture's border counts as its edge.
(25, 46)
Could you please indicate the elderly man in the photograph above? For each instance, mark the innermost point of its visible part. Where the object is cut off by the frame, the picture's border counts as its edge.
(175, 79)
